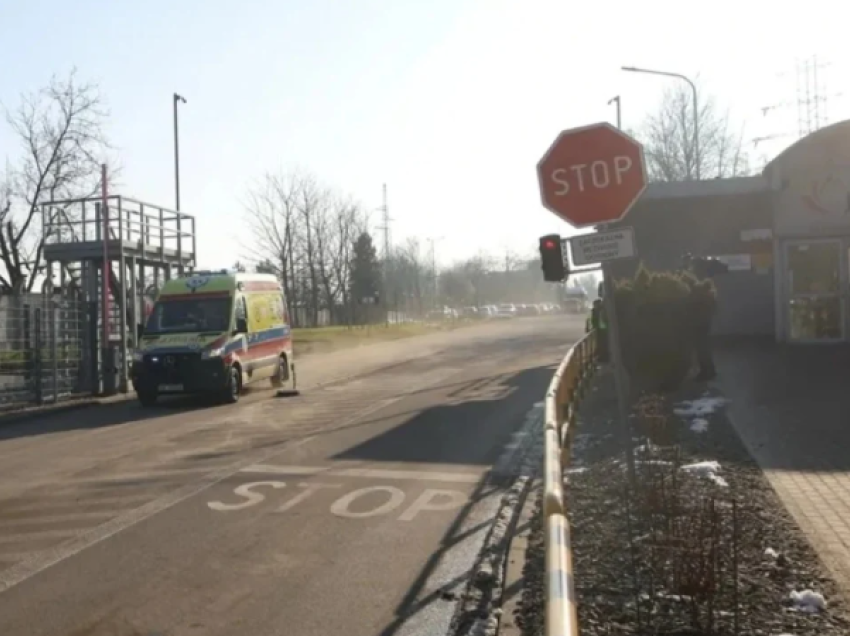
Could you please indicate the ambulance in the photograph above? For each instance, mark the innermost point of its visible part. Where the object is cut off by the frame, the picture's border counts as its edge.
(215, 333)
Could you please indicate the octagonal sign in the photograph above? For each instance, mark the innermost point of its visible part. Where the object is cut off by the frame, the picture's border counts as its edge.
(592, 175)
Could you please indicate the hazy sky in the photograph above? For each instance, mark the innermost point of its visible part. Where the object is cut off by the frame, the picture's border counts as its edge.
(449, 102)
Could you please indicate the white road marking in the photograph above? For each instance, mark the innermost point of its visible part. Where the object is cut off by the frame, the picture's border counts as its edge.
(247, 492)
(434, 501)
(308, 490)
(341, 507)
(40, 536)
(54, 502)
(366, 473)
(48, 519)
(431, 500)
(109, 479)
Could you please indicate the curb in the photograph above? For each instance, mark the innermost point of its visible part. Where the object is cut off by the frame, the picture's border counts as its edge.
(515, 562)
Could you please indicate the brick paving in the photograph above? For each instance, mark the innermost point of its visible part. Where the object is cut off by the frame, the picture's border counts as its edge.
(791, 407)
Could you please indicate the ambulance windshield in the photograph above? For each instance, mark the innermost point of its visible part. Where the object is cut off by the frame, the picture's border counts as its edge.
(188, 315)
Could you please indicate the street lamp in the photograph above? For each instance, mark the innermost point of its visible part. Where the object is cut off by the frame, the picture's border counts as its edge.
(177, 98)
(634, 69)
(616, 100)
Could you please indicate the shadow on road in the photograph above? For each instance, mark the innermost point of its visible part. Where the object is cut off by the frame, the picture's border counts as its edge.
(418, 599)
(470, 429)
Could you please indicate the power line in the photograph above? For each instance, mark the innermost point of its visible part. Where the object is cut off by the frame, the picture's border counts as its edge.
(810, 100)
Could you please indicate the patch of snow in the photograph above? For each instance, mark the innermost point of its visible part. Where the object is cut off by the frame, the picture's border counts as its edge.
(771, 553)
(808, 601)
(699, 425)
(706, 470)
(699, 407)
(576, 471)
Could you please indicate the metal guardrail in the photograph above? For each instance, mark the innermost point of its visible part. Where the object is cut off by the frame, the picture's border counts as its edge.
(565, 391)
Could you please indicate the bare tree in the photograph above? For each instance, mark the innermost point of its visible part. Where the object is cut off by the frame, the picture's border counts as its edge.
(411, 277)
(669, 141)
(346, 224)
(273, 217)
(61, 131)
(304, 230)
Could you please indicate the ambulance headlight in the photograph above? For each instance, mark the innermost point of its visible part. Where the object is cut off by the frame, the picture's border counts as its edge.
(212, 353)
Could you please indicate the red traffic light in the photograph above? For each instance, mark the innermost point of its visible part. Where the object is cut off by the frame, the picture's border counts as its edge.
(549, 244)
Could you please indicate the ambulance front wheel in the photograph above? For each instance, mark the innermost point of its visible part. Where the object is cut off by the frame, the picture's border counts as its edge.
(233, 390)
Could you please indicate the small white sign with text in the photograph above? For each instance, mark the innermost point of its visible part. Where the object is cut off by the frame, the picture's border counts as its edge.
(599, 247)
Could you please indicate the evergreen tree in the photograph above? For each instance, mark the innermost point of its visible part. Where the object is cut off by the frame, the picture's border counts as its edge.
(365, 279)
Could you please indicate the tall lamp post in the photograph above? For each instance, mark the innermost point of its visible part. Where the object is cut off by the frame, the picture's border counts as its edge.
(634, 69)
(616, 100)
(177, 98)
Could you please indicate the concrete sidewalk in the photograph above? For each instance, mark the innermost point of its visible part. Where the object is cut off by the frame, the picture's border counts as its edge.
(791, 407)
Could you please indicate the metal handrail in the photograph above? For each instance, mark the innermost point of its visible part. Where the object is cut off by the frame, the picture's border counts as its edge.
(565, 391)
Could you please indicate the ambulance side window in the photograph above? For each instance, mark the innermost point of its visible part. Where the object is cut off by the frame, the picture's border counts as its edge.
(241, 310)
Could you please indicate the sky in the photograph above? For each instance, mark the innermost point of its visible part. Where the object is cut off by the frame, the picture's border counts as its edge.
(450, 103)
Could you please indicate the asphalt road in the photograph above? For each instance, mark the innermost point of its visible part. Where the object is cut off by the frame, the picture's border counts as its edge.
(349, 509)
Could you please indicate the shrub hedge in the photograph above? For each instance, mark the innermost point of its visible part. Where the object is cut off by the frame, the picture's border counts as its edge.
(660, 314)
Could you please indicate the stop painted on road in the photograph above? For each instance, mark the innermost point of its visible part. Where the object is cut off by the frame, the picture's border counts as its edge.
(361, 503)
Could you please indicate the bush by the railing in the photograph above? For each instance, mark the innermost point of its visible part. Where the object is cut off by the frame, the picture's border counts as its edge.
(660, 315)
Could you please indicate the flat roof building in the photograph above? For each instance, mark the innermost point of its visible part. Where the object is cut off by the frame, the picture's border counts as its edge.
(785, 235)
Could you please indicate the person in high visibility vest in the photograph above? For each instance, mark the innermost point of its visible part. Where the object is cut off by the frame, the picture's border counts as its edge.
(596, 322)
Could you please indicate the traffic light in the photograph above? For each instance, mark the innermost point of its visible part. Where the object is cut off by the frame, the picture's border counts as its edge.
(551, 259)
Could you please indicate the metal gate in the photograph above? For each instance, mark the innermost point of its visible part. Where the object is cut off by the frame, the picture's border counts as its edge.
(43, 352)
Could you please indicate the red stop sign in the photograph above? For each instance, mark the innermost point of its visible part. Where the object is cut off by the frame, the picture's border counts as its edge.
(592, 175)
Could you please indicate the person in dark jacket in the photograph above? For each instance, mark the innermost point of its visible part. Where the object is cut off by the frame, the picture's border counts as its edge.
(596, 322)
(703, 311)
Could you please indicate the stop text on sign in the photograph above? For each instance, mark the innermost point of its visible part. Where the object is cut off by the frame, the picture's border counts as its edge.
(599, 174)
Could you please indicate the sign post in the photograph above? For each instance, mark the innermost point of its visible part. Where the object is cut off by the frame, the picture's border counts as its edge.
(591, 177)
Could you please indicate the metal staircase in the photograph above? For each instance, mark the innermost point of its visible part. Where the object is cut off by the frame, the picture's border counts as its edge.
(141, 240)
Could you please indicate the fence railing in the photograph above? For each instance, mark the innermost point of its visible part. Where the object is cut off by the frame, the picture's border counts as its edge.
(565, 392)
(131, 221)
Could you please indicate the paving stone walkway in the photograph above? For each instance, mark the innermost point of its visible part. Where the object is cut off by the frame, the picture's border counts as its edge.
(791, 406)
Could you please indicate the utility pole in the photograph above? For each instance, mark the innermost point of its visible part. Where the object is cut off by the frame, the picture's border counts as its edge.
(177, 98)
(433, 240)
(385, 217)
